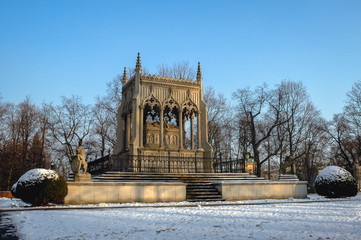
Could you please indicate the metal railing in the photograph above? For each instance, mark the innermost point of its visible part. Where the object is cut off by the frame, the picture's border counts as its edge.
(164, 164)
(228, 165)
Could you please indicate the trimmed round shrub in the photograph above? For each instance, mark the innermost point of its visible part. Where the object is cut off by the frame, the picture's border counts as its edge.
(335, 182)
(40, 187)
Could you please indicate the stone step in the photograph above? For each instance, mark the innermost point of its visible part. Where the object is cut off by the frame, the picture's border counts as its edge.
(131, 180)
(192, 178)
(184, 179)
(205, 185)
(185, 176)
(180, 174)
(202, 191)
(206, 200)
(199, 189)
(203, 194)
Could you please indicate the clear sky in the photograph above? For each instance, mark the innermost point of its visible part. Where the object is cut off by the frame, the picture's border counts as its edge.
(54, 48)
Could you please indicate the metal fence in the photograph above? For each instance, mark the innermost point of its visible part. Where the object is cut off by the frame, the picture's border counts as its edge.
(164, 164)
(228, 165)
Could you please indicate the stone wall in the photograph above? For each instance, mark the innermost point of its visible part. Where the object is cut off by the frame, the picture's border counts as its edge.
(233, 191)
(124, 192)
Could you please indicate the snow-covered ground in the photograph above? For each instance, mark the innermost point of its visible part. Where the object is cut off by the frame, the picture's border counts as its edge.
(279, 220)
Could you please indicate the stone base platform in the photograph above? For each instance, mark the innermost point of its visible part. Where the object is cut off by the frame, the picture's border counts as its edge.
(252, 190)
(118, 187)
(124, 192)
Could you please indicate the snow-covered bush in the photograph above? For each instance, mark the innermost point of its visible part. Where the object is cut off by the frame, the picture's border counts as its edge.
(335, 182)
(40, 187)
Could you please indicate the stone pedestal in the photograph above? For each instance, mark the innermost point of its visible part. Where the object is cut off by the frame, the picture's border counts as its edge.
(83, 177)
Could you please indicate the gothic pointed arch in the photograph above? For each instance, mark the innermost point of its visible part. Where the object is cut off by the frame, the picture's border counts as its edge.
(151, 101)
(171, 110)
(151, 108)
(189, 108)
(171, 103)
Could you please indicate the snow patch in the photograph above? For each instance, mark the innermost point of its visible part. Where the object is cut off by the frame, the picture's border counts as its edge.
(319, 220)
(12, 203)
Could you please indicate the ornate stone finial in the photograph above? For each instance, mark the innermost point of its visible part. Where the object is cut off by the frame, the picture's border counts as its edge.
(139, 64)
(199, 72)
(125, 76)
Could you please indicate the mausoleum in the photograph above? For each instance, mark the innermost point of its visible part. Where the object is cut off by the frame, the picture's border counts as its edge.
(162, 118)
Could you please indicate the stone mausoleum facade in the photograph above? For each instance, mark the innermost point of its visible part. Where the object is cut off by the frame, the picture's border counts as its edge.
(163, 117)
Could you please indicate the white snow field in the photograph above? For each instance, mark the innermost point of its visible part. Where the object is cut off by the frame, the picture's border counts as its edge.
(280, 220)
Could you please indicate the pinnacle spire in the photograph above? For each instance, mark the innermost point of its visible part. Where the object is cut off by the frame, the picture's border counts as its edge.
(139, 64)
(125, 76)
(199, 72)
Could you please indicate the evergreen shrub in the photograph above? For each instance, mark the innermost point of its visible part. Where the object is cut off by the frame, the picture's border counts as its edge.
(40, 187)
(335, 182)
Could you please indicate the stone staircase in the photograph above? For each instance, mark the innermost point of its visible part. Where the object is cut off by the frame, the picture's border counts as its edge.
(202, 192)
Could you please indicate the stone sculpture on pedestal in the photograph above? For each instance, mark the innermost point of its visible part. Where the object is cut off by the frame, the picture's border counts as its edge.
(78, 164)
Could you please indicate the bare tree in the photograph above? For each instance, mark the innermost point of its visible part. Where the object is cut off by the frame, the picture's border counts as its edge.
(181, 70)
(104, 127)
(303, 119)
(43, 120)
(353, 107)
(262, 113)
(20, 143)
(105, 116)
(2, 109)
(3, 112)
(11, 147)
(314, 147)
(345, 146)
(69, 123)
(27, 113)
(345, 131)
(219, 121)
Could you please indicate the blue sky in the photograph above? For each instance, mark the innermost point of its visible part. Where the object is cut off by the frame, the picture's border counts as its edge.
(50, 49)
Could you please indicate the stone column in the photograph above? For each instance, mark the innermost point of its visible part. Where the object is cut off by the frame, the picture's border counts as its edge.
(161, 128)
(184, 131)
(199, 131)
(192, 131)
(128, 132)
(180, 126)
(141, 108)
(123, 134)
